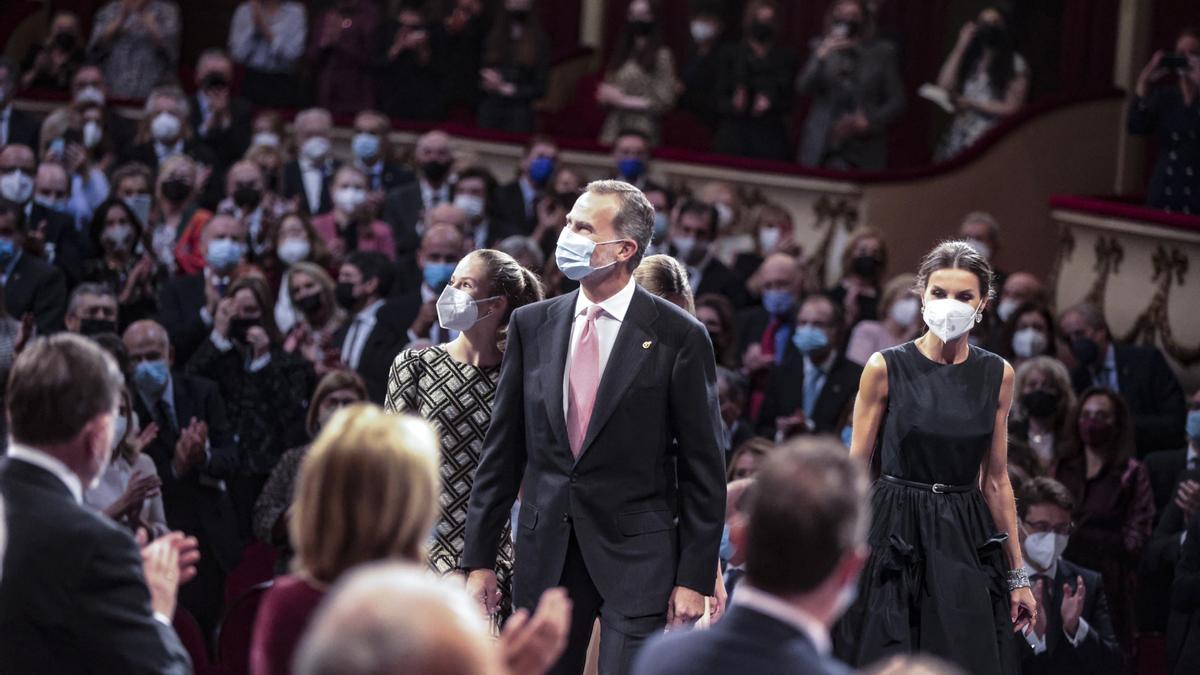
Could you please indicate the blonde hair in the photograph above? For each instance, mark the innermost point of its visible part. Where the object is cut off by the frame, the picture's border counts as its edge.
(665, 277)
(367, 490)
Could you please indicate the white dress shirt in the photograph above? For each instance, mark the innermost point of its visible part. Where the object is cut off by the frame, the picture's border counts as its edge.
(608, 325)
(313, 177)
(1039, 643)
(361, 327)
(52, 464)
(165, 151)
(5, 118)
(431, 196)
(764, 603)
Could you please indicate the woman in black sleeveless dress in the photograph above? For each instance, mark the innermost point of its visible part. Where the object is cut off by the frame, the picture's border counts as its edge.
(945, 574)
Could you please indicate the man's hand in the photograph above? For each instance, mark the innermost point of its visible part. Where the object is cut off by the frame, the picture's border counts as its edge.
(793, 424)
(1152, 72)
(211, 295)
(762, 103)
(716, 608)
(189, 450)
(259, 341)
(1187, 498)
(222, 317)
(168, 562)
(1072, 606)
(755, 360)
(532, 644)
(481, 585)
(685, 607)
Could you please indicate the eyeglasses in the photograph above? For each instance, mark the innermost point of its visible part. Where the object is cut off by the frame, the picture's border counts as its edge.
(1041, 526)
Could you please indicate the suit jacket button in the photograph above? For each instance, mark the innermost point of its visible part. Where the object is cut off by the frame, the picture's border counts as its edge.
(574, 478)
(566, 518)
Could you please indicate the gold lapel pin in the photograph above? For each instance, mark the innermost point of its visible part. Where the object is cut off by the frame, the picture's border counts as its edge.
(646, 344)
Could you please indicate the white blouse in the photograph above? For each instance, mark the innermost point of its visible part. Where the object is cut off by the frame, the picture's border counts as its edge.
(112, 485)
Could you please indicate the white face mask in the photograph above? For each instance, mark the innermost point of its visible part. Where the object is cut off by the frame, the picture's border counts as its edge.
(905, 311)
(16, 186)
(471, 204)
(948, 318)
(1006, 308)
(266, 139)
(703, 31)
(349, 198)
(315, 148)
(293, 250)
(457, 310)
(1044, 548)
(1029, 342)
(92, 134)
(768, 238)
(724, 216)
(90, 96)
(684, 248)
(165, 127)
(119, 427)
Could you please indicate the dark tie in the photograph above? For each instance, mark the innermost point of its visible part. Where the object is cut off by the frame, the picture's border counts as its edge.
(168, 430)
(732, 576)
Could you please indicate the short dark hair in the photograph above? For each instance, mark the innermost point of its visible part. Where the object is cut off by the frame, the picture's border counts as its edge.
(699, 208)
(839, 311)
(958, 255)
(374, 265)
(1044, 490)
(7, 207)
(57, 385)
(100, 217)
(807, 510)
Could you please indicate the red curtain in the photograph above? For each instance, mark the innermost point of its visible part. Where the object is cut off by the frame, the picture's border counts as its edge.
(1088, 41)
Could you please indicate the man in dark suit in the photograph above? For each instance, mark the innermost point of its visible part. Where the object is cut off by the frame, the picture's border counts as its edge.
(194, 453)
(731, 395)
(89, 89)
(222, 121)
(31, 285)
(404, 207)
(1183, 636)
(693, 229)
(1139, 373)
(373, 154)
(516, 202)
(1073, 631)
(187, 304)
(803, 535)
(606, 412)
(442, 247)
(1167, 467)
(306, 178)
(814, 387)
(474, 192)
(50, 235)
(378, 328)
(16, 126)
(75, 595)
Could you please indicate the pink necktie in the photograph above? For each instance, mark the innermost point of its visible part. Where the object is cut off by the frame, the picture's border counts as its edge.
(583, 381)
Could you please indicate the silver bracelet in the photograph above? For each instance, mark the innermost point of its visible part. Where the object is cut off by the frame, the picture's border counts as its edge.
(1018, 578)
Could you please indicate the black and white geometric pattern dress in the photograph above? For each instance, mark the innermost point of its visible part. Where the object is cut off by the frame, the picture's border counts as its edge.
(456, 398)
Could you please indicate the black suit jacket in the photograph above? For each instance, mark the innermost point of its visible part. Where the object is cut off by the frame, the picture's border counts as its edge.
(179, 303)
(719, 279)
(194, 503)
(751, 323)
(1165, 467)
(745, 641)
(402, 210)
(387, 339)
(24, 128)
(1098, 653)
(642, 528)
(73, 598)
(510, 207)
(69, 247)
(293, 186)
(392, 175)
(37, 287)
(230, 143)
(1153, 393)
(1156, 568)
(1183, 635)
(785, 393)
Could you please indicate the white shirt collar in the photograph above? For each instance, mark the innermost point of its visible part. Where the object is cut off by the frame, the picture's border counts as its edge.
(370, 310)
(1192, 451)
(1051, 573)
(49, 463)
(785, 612)
(616, 306)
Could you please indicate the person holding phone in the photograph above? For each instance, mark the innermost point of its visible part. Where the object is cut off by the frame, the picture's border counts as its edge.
(1172, 114)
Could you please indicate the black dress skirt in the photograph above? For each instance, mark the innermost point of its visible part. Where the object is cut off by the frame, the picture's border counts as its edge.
(935, 578)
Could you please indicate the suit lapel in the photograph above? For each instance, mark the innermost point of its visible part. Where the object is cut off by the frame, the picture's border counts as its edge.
(1054, 625)
(554, 343)
(184, 410)
(629, 352)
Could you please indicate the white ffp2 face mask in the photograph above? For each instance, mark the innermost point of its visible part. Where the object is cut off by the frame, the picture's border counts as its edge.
(457, 310)
(948, 318)
(1044, 548)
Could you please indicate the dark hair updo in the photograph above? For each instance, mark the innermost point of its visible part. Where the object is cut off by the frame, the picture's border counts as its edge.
(956, 255)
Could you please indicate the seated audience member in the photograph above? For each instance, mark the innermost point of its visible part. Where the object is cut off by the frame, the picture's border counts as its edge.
(1019, 288)
(260, 209)
(853, 81)
(763, 332)
(982, 231)
(336, 390)
(986, 78)
(667, 278)
(129, 489)
(295, 241)
(412, 59)
(51, 64)
(313, 293)
(900, 312)
(264, 387)
(1167, 467)
(31, 285)
(1073, 632)
(404, 207)
(773, 230)
(306, 178)
(639, 85)
(367, 490)
(803, 535)
(1139, 373)
(166, 130)
(372, 152)
(517, 201)
(525, 251)
(221, 118)
(1038, 425)
(350, 226)
(864, 262)
(663, 201)
(115, 235)
(475, 193)
(92, 310)
(17, 127)
(377, 328)
(177, 223)
(136, 43)
(50, 235)
(1183, 652)
(732, 391)
(748, 457)
(733, 558)
(693, 231)
(441, 248)
(114, 131)
(812, 390)
(341, 56)
(187, 304)
(1164, 112)
(266, 38)
(71, 178)
(753, 88)
(1028, 332)
(69, 571)
(716, 313)
(704, 57)
(133, 184)
(1114, 506)
(631, 158)
(194, 453)
(516, 69)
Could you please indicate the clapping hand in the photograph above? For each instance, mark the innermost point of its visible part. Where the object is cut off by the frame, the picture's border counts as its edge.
(531, 644)
(142, 486)
(1072, 605)
(259, 341)
(190, 450)
(1187, 497)
(168, 562)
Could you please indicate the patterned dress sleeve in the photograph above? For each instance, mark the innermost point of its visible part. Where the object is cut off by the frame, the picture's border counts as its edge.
(402, 383)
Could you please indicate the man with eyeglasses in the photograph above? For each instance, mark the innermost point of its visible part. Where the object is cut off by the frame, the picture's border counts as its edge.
(1073, 633)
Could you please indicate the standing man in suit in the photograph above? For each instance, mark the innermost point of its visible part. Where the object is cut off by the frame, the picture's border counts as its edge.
(813, 390)
(51, 235)
(373, 154)
(1139, 373)
(16, 126)
(405, 206)
(804, 541)
(194, 453)
(222, 121)
(606, 412)
(306, 178)
(517, 201)
(693, 229)
(75, 595)
(1073, 632)
(378, 328)
(31, 285)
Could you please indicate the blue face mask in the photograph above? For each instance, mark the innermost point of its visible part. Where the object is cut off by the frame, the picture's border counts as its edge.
(631, 169)
(778, 303)
(1193, 426)
(437, 275)
(224, 254)
(660, 226)
(365, 146)
(574, 254)
(809, 339)
(7, 250)
(540, 170)
(728, 550)
(150, 377)
(56, 205)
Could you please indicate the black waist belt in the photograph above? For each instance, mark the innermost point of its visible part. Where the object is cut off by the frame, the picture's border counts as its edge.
(936, 488)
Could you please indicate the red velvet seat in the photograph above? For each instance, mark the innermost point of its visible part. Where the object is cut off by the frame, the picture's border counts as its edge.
(237, 628)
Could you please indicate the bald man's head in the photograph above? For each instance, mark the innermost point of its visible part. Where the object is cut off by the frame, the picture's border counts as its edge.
(446, 214)
(147, 340)
(17, 156)
(442, 244)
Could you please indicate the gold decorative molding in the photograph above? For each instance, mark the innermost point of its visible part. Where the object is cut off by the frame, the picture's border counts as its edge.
(1066, 249)
(1109, 254)
(1153, 324)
